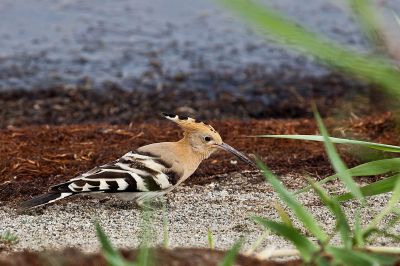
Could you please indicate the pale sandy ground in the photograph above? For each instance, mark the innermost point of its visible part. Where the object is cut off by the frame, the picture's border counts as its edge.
(223, 207)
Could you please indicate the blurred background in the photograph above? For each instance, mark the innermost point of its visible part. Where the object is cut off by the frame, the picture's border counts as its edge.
(73, 61)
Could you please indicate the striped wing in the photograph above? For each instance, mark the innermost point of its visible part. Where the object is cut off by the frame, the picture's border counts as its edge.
(133, 172)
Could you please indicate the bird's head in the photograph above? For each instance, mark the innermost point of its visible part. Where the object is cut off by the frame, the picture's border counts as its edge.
(203, 138)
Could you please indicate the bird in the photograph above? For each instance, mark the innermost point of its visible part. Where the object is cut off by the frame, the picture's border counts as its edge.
(147, 172)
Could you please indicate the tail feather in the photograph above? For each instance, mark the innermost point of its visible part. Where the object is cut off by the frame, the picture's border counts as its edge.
(44, 199)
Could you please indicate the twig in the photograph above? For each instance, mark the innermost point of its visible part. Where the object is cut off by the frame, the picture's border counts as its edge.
(387, 250)
(271, 252)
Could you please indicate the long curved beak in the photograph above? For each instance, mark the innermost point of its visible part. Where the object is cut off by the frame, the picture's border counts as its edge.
(240, 155)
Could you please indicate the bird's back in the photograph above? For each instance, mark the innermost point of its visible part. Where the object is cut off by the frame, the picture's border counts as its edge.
(134, 174)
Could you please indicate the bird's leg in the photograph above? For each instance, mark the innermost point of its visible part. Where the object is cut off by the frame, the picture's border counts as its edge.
(141, 203)
(147, 205)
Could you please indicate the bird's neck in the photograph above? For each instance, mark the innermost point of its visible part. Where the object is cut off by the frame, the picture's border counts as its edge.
(180, 154)
(190, 155)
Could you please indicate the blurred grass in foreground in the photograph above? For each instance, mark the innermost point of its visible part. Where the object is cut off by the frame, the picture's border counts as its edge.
(354, 247)
(373, 168)
(370, 67)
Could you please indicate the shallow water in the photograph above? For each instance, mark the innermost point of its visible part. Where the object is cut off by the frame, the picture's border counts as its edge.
(140, 44)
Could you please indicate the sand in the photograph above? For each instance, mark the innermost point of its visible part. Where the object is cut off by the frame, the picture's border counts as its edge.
(224, 207)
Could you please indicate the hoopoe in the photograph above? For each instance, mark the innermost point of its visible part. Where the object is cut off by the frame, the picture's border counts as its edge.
(150, 171)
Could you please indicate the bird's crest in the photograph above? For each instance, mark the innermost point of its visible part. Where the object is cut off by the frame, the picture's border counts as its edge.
(189, 124)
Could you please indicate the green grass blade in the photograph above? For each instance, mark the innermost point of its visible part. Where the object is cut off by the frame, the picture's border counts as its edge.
(210, 239)
(144, 257)
(112, 256)
(358, 231)
(273, 24)
(341, 220)
(351, 257)
(337, 163)
(366, 13)
(283, 214)
(383, 260)
(258, 241)
(376, 188)
(165, 226)
(373, 168)
(393, 221)
(321, 261)
(394, 200)
(386, 234)
(305, 246)
(105, 243)
(372, 145)
(301, 212)
(230, 256)
(385, 229)
(397, 18)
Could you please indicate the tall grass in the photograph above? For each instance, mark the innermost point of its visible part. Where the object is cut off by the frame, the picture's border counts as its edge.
(354, 248)
(369, 169)
(229, 259)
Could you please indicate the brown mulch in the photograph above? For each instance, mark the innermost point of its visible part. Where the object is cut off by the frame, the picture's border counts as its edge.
(164, 257)
(33, 158)
(158, 257)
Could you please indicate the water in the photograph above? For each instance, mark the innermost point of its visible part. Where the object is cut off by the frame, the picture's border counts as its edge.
(141, 44)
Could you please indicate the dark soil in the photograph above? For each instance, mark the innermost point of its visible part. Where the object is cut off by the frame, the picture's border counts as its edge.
(35, 157)
(259, 98)
(175, 257)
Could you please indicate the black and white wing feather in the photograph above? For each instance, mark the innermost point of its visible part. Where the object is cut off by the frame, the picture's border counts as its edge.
(135, 172)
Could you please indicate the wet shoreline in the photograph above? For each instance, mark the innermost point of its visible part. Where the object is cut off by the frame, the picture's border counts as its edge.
(257, 99)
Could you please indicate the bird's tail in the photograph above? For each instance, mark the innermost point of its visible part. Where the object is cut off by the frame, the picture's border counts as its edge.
(44, 199)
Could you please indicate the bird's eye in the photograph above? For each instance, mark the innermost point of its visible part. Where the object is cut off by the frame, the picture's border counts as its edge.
(207, 138)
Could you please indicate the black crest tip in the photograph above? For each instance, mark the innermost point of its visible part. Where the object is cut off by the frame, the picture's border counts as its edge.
(168, 115)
